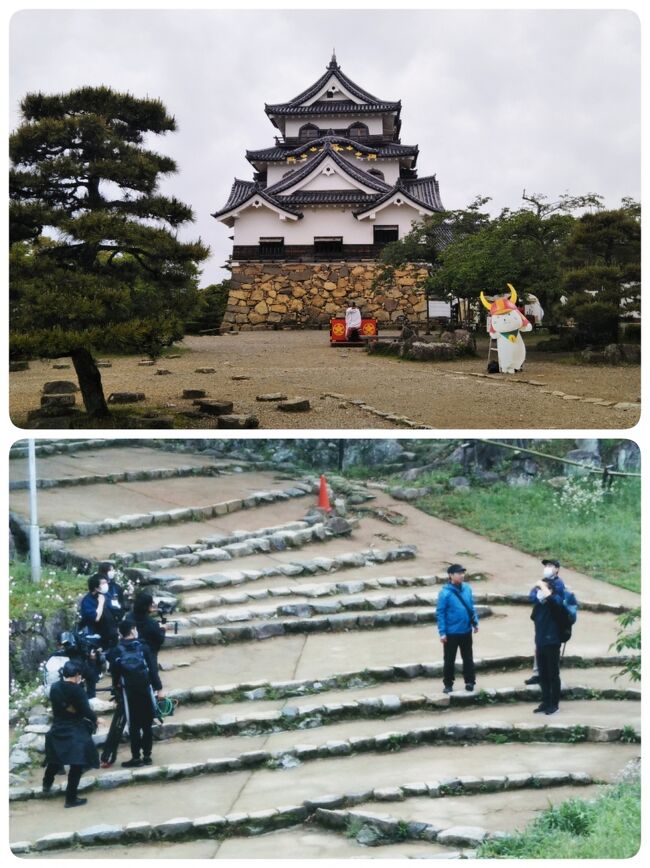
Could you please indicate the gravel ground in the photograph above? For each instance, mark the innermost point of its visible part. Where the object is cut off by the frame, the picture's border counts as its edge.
(301, 363)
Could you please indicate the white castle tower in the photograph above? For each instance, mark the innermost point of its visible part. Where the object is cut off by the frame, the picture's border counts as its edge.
(336, 186)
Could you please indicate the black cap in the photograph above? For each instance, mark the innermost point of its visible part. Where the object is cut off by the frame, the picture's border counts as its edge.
(552, 563)
(455, 568)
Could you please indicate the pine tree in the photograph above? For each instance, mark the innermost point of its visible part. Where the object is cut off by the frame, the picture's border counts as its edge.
(95, 260)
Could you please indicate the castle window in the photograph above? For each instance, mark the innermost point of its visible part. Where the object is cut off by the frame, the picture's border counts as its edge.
(377, 173)
(328, 246)
(271, 248)
(385, 235)
(358, 131)
(307, 132)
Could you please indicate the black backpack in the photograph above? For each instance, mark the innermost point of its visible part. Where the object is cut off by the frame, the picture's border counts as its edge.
(566, 614)
(135, 672)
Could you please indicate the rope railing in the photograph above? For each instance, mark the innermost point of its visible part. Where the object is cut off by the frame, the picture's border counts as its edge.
(605, 471)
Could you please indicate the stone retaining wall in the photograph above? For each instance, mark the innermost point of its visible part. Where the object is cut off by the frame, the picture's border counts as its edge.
(305, 295)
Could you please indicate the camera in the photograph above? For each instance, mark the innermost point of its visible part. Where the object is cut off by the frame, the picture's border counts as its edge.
(87, 643)
(165, 608)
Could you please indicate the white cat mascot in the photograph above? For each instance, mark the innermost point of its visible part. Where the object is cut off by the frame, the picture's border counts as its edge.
(506, 323)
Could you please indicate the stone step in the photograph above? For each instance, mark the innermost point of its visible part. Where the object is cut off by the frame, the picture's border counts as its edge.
(123, 476)
(296, 658)
(428, 799)
(311, 842)
(354, 777)
(343, 601)
(256, 630)
(205, 701)
(65, 530)
(304, 608)
(465, 822)
(321, 737)
(293, 569)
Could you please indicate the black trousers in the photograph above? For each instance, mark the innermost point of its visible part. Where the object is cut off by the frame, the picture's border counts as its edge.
(451, 646)
(74, 776)
(548, 661)
(140, 723)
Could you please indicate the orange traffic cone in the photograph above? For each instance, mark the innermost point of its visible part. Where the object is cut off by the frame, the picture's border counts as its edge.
(323, 499)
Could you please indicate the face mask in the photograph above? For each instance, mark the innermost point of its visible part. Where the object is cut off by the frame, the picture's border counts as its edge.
(103, 589)
(549, 572)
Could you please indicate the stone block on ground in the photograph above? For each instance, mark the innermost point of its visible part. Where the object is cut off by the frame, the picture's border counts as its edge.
(214, 407)
(194, 393)
(231, 420)
(274, 396)
(125, 397)
(57, 400)
(295, 405)
(60, 387)
(205, 371)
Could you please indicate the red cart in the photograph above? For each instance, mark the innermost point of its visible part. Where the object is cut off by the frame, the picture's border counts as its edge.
(367, 331)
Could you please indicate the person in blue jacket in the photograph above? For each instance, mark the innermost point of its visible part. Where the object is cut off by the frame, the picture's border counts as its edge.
(457, 621)
(547, 596)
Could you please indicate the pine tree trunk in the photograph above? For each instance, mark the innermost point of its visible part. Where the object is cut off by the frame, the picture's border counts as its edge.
(90, 383)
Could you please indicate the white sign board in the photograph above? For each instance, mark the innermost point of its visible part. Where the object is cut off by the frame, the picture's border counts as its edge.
(439, 308)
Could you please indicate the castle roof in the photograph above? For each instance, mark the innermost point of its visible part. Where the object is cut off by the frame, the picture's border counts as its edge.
(347, 167)
(242, 191)
(421, 192)
(333, 70)
(279, 153)
(334, 107)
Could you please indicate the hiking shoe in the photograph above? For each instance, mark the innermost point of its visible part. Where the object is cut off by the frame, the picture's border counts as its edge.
(534, 679)
(76, 803)
(47, 788)
(447, 689)
(133, 763)
(553, 710)
(539, 709)
(469, 688)
(146, 760)
(105, 765)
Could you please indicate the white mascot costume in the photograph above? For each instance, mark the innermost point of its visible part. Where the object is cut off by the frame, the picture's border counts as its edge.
(506, 323)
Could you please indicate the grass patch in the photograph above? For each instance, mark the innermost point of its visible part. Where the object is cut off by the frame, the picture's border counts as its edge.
(58, 589)
(604, 543)
(607, 828)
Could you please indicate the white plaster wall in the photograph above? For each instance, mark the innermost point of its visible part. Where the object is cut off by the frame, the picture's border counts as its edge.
(253, 224)
(276, 172)
(390, 168)
(324, 122)
(340, 93)
(329, 182)
(396, 215)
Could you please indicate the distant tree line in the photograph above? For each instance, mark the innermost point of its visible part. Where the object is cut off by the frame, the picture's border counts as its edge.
(572, 249)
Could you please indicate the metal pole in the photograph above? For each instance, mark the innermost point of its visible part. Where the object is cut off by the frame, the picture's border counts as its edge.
(34, 537)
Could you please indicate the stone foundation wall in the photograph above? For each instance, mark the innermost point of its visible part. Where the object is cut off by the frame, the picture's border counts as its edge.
(304, 295)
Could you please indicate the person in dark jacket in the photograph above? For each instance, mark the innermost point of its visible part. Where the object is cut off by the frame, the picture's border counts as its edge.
(140, 691)
(546, 597)
(113, 593)
(69, 740)
(457, 620)
(95, 614)
(150, 631)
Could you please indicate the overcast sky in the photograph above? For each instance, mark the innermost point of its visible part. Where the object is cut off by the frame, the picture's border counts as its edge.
(497, 101)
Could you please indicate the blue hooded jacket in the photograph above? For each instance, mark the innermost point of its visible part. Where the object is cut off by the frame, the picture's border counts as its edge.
(453, 617)
(547, 631)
